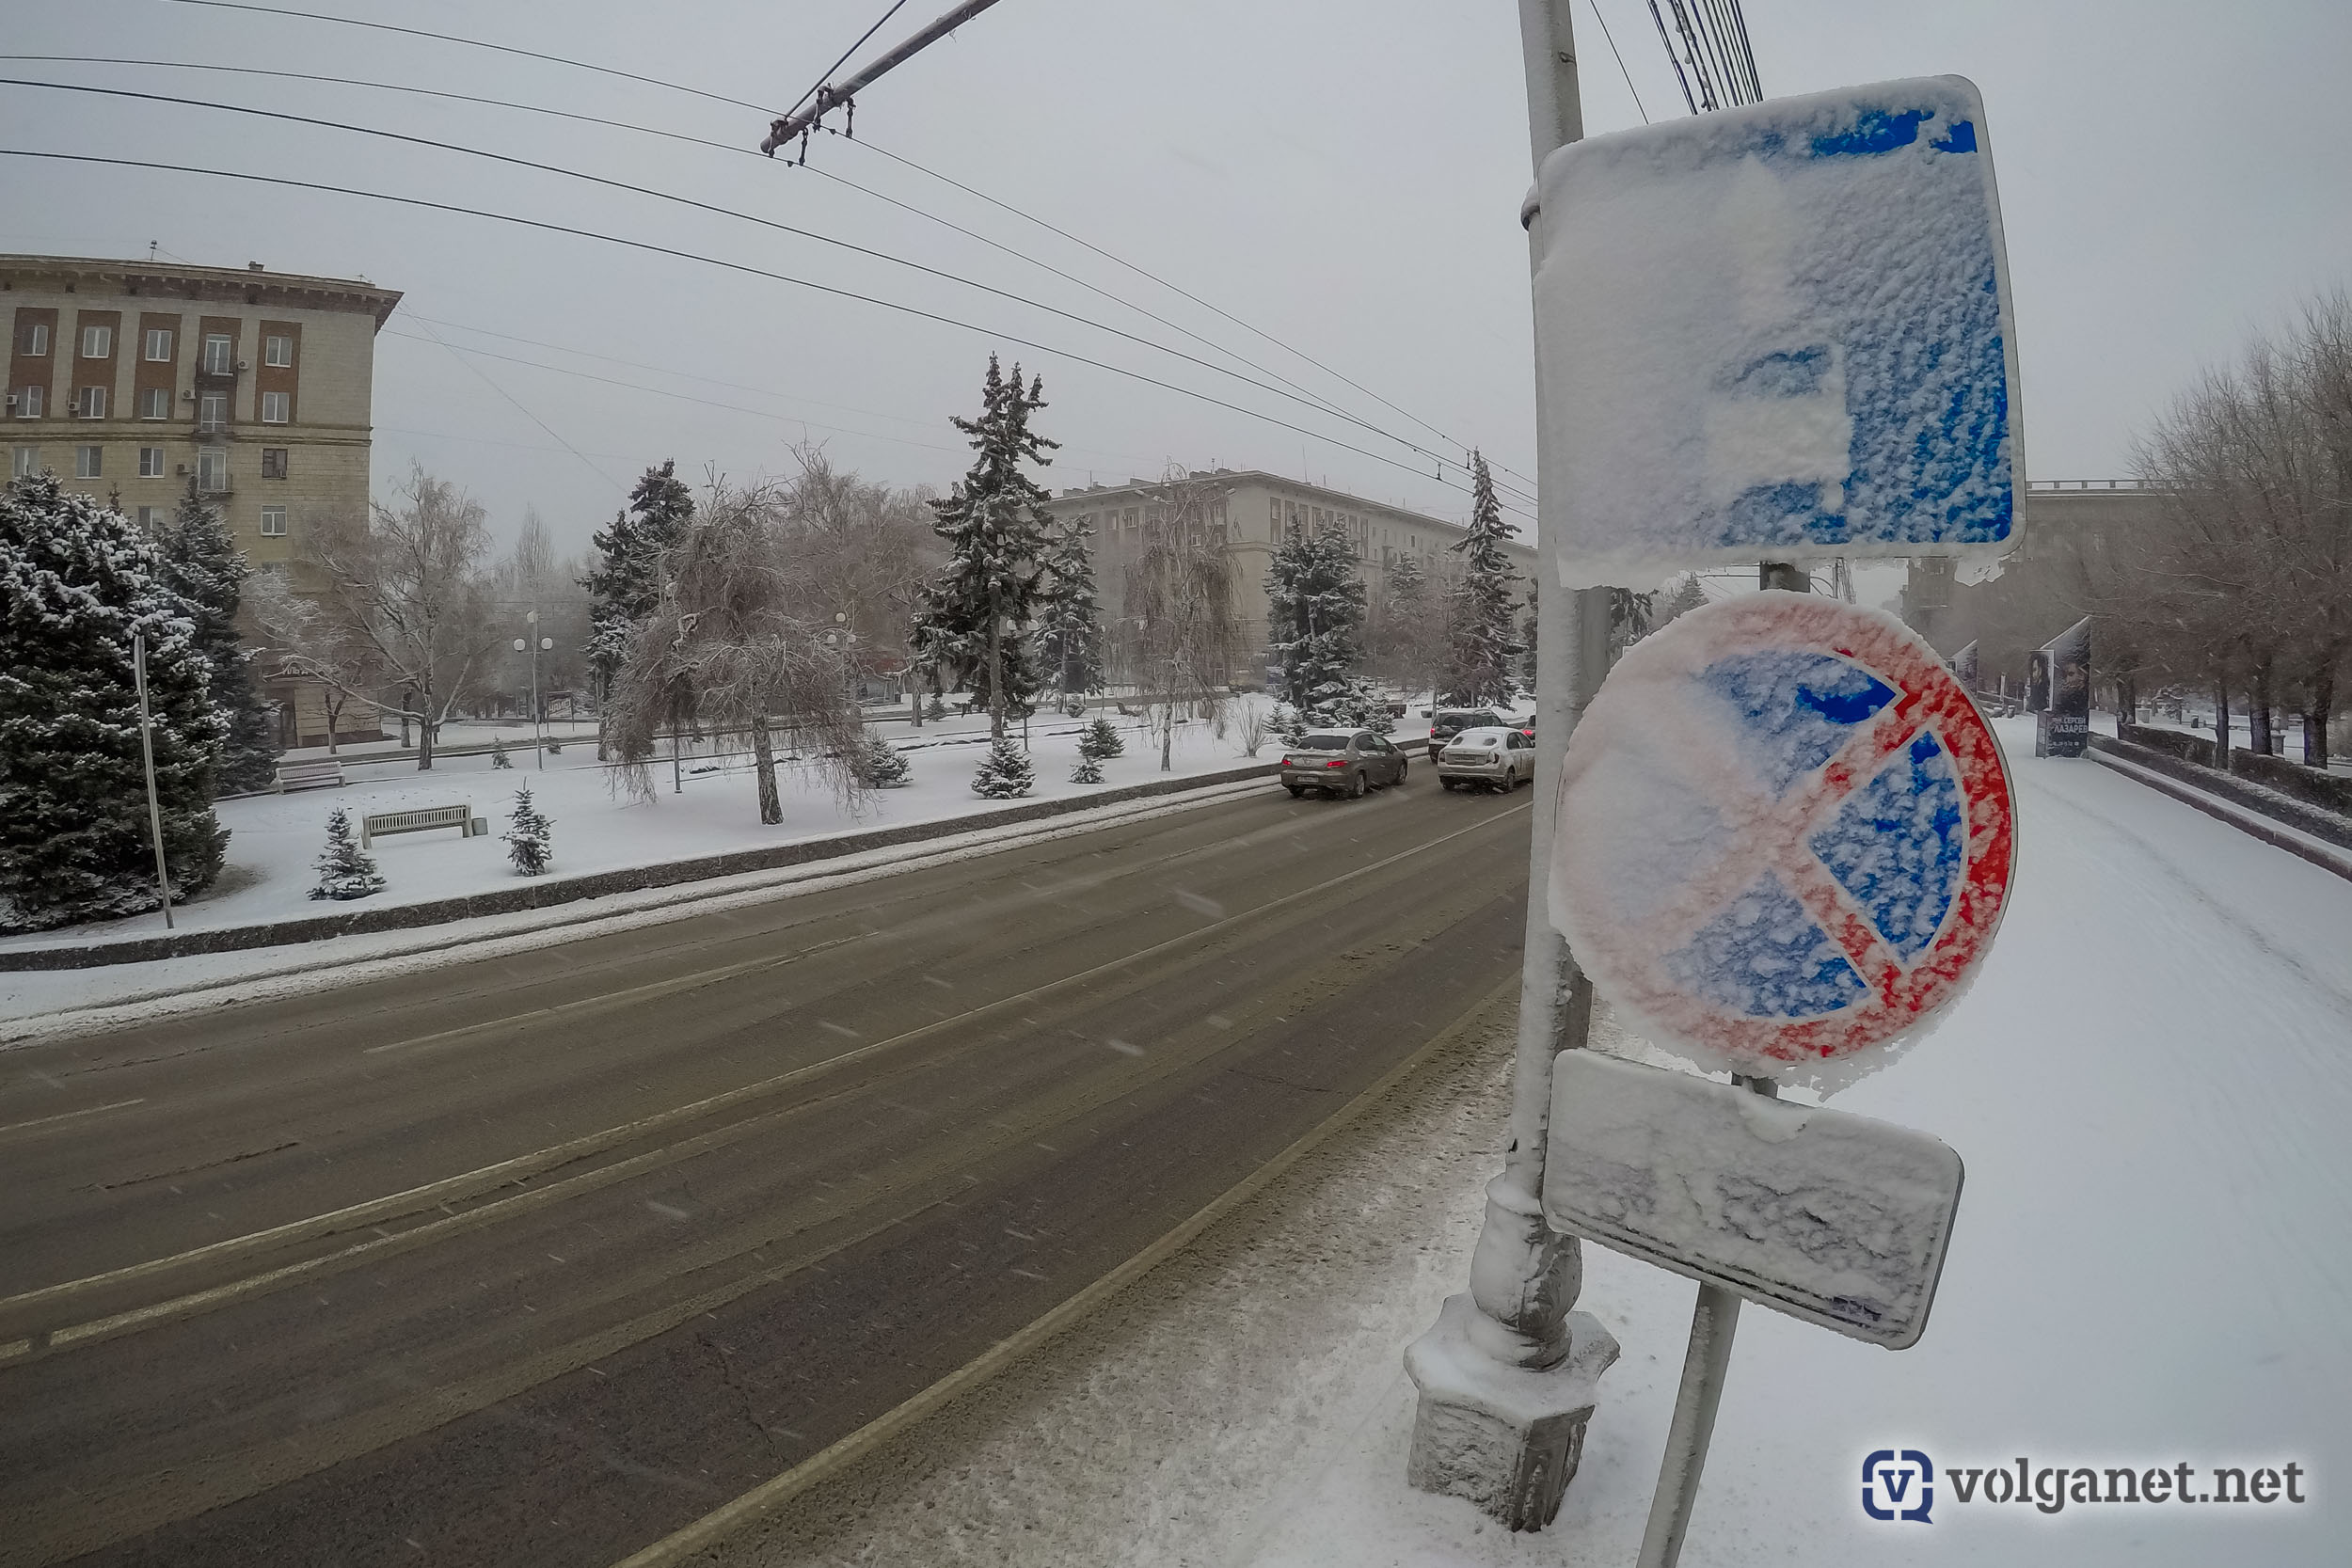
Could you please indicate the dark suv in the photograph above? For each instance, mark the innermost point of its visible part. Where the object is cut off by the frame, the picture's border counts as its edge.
(1447, 722)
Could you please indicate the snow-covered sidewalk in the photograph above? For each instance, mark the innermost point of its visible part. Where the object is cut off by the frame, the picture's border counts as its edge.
(2153, 1266)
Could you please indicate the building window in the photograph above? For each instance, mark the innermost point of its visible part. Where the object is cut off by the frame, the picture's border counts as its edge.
(212, 411)
(212, 469)
(150, 518)
(98, 342)
(151, 462)
(274, 522)
(28, 402)
(273, 462)
(155, 403)
(274, 407)
(159, 344)
(37, 339)
(277, 352)
(217, 348)
(92, 403)
(26, 462)
(89, 462)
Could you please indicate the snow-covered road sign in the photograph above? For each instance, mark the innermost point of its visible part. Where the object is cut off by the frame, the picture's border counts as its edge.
(1777, 332)
(1837, 1219)
(1785, 835)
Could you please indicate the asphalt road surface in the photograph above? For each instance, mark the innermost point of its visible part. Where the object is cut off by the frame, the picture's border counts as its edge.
(536, 1258)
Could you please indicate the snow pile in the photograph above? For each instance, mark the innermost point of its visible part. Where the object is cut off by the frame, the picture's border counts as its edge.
(1784, 325)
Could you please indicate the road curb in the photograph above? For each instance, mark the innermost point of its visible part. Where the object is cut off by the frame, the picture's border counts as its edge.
(715, 1526)
(543, 895)
(2279, 835)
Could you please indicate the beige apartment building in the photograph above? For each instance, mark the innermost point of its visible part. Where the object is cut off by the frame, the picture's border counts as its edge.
(1253, 510)
(129, 379)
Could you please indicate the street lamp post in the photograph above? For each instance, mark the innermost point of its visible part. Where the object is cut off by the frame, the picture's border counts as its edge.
(535, 643)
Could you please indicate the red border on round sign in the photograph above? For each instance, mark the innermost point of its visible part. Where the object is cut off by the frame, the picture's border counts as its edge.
(1899, 997)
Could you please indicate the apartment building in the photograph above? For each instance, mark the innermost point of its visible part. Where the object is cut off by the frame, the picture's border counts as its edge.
(1251, 513)
(129, 379)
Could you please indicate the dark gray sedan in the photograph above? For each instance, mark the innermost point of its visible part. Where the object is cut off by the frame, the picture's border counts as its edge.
(1341, 761)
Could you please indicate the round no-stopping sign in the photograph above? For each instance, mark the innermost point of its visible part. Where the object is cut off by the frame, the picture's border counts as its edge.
(1785, 834)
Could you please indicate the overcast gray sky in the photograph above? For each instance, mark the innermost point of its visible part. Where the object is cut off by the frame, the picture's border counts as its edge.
(1342, 174)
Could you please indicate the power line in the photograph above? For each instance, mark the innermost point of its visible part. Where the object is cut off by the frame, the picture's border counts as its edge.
(1306, 392)
(1366, 425)
(1155, 277)
(475, 43)
(657, 391)
(1595, 6)
(814, 86)
(650, 247)
(552, 434)
(584, 65)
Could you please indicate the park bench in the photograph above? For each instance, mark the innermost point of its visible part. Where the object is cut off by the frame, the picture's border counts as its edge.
(460, 818)
(309, 775)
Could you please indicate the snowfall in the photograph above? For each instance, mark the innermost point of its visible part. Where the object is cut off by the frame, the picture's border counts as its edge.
(2153, 1265)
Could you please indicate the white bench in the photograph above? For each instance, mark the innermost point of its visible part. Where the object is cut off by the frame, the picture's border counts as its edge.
(309, 775)
(460, 818)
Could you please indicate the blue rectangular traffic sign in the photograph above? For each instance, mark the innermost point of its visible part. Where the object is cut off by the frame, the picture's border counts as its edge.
(1781, 332)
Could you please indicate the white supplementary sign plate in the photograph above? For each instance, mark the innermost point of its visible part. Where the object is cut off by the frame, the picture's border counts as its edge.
(1781, 331)
(1837, 1219)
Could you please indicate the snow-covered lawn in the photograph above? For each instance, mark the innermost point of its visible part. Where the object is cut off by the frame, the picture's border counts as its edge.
(710, 808)
(2153, 1266)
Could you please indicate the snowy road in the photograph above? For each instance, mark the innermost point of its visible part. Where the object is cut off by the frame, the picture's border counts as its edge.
(533, 1258)
(2153, 1267)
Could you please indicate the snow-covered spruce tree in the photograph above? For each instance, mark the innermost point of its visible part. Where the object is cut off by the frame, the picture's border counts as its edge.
(76, 581)
(345, 870)
(1088, 772)
(1070, 634)
(1101, 740)
(202, 565)
(975, 618)
(624, 582)
(1481, 652)
(498, 755)
(1005, 772)
(879, 765)
(1315, 615)
(526, 835)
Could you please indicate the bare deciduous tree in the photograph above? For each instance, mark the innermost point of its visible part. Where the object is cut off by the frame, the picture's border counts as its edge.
(1185, 636)
(400, 607)
(736, 640)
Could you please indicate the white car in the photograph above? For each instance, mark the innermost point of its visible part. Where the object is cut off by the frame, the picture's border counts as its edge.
(1497, 758)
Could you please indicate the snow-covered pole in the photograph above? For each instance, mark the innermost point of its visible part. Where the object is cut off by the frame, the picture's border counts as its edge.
(1507, 1377)
(146, 756)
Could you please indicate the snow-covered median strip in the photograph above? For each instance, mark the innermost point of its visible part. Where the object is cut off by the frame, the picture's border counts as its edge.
(42, 1004)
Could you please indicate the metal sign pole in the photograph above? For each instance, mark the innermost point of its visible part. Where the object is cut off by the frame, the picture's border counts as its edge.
(146, 756)
(1713, 1322)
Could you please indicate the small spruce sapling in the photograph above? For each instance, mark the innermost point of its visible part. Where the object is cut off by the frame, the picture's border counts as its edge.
(1088, 772)
(1005, 772)
(345, 870)
(526, 835)
(1101, 740)
(879, 765)
(937, 707)
(498, 755)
